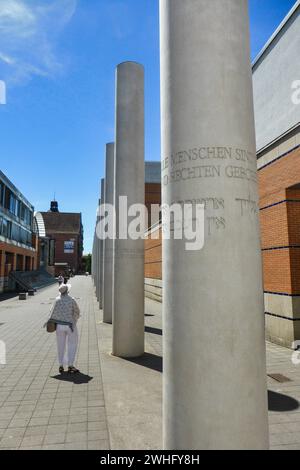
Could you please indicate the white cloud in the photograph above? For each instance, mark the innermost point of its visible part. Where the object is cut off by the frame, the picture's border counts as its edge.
(6, 59)
(16, 18)
(29, 32)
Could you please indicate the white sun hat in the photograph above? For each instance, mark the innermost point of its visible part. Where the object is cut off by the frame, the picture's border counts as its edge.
(64, 288)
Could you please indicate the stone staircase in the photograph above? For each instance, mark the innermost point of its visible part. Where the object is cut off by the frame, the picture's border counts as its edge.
(28, 280)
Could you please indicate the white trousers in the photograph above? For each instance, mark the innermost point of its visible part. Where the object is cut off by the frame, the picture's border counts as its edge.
(64, 336)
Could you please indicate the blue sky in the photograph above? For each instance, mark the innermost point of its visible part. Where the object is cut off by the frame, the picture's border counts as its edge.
(58, 59)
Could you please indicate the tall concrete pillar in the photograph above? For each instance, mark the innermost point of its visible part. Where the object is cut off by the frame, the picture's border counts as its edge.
(215, 394)
(101, 244)
(109, 242)
(94, 259)
(97, 255)
(92, 264)
(128, 312)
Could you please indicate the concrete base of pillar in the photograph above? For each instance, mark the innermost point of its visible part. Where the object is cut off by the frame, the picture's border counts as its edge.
(282, 319)
(153, 289)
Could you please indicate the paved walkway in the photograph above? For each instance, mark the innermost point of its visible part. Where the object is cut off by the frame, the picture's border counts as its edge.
(39, 409)
(114, 403)
(284, 398)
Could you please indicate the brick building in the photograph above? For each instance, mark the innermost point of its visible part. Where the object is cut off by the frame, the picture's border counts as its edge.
(18, 240)
(61, 240)
(277, 116)
(152, 189)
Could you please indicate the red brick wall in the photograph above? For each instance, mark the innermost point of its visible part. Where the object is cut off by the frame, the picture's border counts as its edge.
(274, 226)
(153, 257)
(280, 174)
(293, 210)
(7, 248)
(152, 196)
(280, 224)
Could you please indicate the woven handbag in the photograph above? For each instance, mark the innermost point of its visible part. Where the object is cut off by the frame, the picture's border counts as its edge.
(51, 326)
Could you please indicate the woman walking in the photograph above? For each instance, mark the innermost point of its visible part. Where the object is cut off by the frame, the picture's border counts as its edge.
(65, 313)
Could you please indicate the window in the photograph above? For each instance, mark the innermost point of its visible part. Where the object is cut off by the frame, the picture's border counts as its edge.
(7, 198)
(12, 203)
(15, 232)
(2, 191)
(5, 228)
(22, 211)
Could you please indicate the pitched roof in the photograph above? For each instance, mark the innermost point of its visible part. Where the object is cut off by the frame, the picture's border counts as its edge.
(62, 222)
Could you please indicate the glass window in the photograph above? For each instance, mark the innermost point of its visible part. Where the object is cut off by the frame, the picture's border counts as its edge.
(2, 190)
(12, 203)
(15, 232)
(6, 228)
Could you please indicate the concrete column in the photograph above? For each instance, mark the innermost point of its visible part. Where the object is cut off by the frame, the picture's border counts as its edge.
(93, 257)
(97, 280)
(94, 260)
(215, 394)
(109, 242)
(101, 254)
(128, 312)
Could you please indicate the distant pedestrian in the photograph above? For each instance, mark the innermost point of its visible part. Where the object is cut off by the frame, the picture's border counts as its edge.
(60, 279)
(65, 313)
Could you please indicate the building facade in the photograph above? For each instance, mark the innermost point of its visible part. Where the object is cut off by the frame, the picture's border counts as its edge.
(61, 240)
(276, 83)
(152, 190)
(18, 240)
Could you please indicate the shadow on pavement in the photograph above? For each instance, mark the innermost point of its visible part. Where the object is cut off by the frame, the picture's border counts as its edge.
(77, 379)
(279, 402)
(151, 361)
(155, 331)
(8, 296)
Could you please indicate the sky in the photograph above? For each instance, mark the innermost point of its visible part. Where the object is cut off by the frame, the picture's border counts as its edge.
(58, 59)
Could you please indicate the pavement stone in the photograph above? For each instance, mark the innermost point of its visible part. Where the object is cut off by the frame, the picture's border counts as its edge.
(114, 403)
(39, 408)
